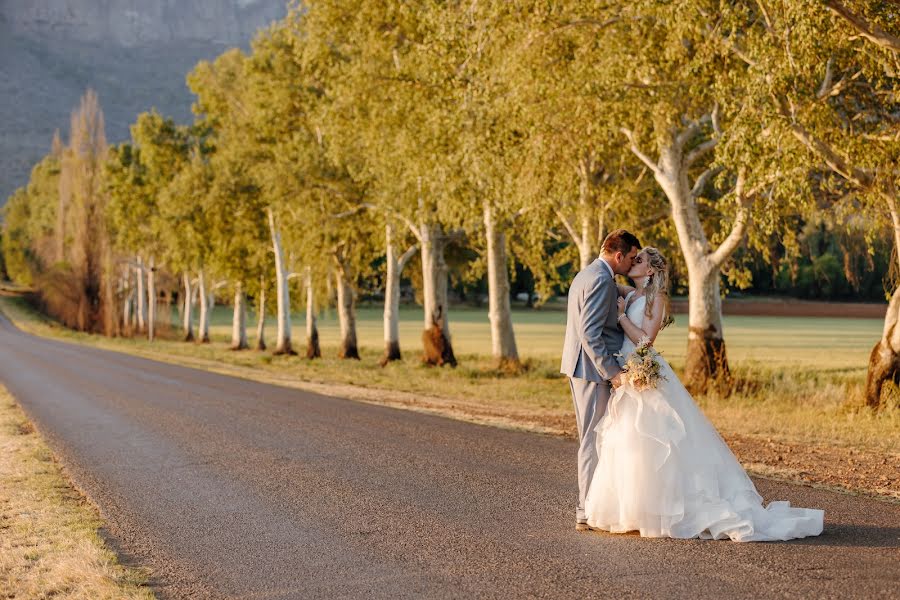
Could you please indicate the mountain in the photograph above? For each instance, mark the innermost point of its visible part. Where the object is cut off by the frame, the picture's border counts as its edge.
(134, 53)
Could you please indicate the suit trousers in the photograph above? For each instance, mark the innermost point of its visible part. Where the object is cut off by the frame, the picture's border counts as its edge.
(590, 398)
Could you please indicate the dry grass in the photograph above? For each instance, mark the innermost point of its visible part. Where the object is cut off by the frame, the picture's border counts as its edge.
(49, 541)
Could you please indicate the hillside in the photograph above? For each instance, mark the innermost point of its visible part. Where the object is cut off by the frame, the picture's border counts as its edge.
(135, 54)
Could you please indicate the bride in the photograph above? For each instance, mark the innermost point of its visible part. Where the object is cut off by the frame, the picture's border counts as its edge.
(663, 468)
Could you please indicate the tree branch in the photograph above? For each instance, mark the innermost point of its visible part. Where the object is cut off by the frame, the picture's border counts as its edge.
(353, 211)
(709, 144)
(699, 151)
(687, 134)
(835, 161)
(703, 179)
(825, 88)
(569, 227)
(637, 151)
(407, 256)
(870, 31)
(738, 230)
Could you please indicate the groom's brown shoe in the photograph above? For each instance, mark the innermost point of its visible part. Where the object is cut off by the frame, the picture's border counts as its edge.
(584, 526)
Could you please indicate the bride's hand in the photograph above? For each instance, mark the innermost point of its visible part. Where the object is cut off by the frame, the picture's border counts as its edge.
(621, 304)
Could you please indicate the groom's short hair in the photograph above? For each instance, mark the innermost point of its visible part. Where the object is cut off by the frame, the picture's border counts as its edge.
(620, 240)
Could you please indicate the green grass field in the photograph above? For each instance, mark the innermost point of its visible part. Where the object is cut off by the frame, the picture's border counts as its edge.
(811, 342)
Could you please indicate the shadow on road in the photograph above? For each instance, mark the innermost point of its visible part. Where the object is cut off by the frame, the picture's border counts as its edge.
(855, 536)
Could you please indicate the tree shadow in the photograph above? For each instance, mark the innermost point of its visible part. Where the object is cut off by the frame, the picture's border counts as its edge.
(855, 536)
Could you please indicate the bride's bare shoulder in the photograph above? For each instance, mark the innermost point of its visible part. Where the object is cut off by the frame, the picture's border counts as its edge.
(624, 290)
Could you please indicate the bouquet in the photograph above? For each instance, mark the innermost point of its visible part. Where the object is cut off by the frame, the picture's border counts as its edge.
(642, 367)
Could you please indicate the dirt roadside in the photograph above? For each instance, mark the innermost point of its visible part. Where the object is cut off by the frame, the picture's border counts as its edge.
(791, 307)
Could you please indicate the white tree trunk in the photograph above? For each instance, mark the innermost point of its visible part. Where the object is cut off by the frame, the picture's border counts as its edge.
(188, 312)
(884, 361)
(141, 311)
(582, 241)
(313, 350)
(503, 339)
(151, 299)
(706, 359)
(239, 319)
(261, 317)
(128, 303)
(203, 295)
(436, 337)
(283, 335)
(346, 314)
(395, 266)
(586, 252)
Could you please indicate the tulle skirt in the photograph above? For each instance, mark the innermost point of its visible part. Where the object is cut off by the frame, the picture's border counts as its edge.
(665, 471)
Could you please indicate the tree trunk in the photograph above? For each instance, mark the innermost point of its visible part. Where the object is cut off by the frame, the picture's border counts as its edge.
(586, 252)
(503, 339)
(884, 362)
(283, 335)
(261, 317)
(151, 300)
(188, 313)
(706, 361)
(127, 303)
(313, 350)
(239, 320)
(203, 325)
(110, 310)
(395, 266)
(141, 311)
(346, 314)
(438, 349)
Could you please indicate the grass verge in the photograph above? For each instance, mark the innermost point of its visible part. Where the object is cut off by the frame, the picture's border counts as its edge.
(49, 541)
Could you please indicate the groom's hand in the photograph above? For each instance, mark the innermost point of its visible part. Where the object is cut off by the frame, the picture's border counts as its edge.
(617, 380)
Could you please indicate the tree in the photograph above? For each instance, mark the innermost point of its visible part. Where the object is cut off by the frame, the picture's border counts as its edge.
(689, 112)
(138, 175)
(82, 239)
(29, 222)
(385, 116)
(834, 98)
(329, 234)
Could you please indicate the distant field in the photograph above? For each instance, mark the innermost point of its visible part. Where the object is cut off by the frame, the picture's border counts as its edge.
(820, 343)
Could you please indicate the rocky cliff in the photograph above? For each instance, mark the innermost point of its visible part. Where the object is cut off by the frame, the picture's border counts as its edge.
(135, 53)
(142, 22)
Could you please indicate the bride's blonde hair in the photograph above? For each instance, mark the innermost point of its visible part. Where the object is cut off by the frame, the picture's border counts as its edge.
(658, 284)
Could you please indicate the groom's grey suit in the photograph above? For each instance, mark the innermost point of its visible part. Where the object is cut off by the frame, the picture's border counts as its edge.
(593, 336)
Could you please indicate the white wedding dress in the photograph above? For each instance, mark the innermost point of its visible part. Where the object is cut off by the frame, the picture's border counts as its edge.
(665, 471)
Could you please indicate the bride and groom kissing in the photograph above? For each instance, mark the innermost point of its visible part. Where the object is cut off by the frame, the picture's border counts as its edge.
(648, 458)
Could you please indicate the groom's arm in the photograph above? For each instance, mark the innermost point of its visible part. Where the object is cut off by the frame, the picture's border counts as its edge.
(594, 314)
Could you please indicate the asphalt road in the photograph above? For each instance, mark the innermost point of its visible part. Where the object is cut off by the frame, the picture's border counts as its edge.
(227, 488)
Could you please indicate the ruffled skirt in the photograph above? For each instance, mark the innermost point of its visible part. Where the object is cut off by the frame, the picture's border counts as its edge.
(665, 471)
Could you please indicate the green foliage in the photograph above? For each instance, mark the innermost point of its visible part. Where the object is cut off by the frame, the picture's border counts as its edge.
(344, 117)
(29, 219)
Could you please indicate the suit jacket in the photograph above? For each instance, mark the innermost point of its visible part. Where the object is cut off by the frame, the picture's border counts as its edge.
(593, 334)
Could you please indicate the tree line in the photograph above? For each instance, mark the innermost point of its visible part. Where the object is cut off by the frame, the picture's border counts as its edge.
(355, 138)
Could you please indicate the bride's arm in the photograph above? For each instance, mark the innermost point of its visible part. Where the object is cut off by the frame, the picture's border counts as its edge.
(651, 325)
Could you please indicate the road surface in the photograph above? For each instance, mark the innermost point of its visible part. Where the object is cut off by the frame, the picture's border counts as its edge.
(228, 488)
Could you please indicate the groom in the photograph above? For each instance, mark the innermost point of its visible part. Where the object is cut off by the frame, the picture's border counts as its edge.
(593, 335)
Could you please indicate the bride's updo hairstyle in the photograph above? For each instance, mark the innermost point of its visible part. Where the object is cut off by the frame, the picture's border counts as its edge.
(658, 283)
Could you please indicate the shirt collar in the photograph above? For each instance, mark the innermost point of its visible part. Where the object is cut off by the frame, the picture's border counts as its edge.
(608, 266)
